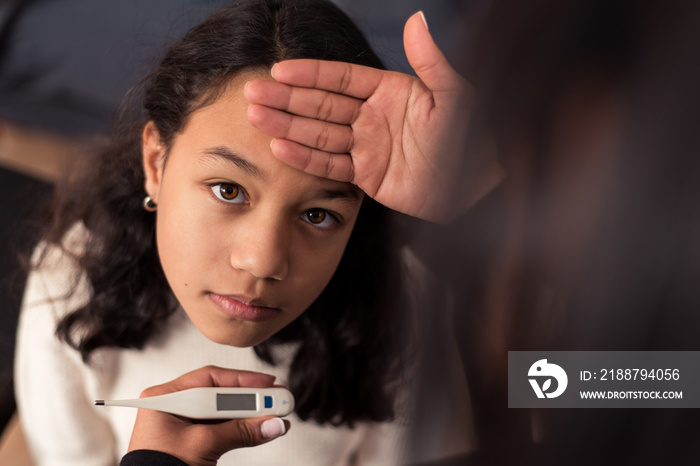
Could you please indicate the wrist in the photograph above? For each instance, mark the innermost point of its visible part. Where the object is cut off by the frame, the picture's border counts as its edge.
(150, 458)
(469, 187)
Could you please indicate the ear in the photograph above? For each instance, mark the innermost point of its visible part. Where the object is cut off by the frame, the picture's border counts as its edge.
(153, 151)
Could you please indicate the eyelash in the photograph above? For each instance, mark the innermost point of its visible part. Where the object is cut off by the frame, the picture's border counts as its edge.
(329, 215)
(216, 190)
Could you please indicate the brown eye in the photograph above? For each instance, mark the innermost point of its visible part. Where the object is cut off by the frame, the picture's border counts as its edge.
(228, 191)
(316, 216)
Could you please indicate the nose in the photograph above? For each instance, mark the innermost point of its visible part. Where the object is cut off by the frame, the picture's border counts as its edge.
(260, 248)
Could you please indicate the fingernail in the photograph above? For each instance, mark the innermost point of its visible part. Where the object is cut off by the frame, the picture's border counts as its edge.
(273, 428)
(425, 21)
(272, 70)
(272, 142)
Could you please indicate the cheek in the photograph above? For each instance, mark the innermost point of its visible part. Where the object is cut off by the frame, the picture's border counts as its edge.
(183, 238)
(314, 269)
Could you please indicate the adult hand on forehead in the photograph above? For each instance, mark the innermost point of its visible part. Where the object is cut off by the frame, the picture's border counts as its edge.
(401, 139)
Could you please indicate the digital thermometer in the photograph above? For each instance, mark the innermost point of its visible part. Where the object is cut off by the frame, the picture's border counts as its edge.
(216, 402)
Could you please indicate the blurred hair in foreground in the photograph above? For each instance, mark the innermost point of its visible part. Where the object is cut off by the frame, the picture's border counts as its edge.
(593, 241)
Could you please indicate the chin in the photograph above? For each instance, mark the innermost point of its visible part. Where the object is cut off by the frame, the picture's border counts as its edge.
(234, 338)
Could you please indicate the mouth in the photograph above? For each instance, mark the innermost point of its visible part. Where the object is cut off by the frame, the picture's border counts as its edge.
(243, 308)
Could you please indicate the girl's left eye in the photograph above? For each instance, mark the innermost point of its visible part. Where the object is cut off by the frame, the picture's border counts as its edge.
(229, 192)
(320, 218)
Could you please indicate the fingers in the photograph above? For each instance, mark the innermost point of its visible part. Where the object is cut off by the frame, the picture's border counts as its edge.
(239, 433)
(311, 103)
(249, 432)
(341, 78)
(202, 443)
(329, 137)
(337, 167)
(425, 57)
(212, 376)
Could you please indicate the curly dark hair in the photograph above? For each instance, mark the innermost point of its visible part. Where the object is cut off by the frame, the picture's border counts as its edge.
(349, 345)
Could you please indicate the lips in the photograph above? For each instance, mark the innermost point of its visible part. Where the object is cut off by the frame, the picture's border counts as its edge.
(242, 308)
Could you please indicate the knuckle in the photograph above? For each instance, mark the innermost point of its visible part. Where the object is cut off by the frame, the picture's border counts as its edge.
(356, 112)
(330, 165)
(247, 436)
(325, 108)
(346, 79)
(338, 168)
(215, 370)
(308, 157)
(322, 138)
(350, 142)
(289, 126)
(151, 391)
(351, 173)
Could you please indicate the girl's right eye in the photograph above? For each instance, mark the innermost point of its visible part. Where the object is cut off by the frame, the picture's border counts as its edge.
(229, 192)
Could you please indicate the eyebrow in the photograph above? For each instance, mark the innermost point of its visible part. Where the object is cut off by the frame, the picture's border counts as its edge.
(240, 162)
(349, 194)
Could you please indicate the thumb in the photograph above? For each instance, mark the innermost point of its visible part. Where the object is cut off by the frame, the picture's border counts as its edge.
(242, 433)
(425, 57)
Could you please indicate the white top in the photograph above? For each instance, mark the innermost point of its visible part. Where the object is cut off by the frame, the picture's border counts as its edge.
(56, 391)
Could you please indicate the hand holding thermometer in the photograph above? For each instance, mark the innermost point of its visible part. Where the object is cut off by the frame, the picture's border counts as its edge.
(216, 402)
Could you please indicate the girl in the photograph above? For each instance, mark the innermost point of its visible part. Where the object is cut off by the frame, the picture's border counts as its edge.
(187, 243)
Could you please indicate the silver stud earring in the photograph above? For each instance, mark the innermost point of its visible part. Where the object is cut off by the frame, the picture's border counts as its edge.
(149, 205)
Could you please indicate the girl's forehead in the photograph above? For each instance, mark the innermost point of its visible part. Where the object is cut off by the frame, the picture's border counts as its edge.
(220, 135)
(227, 90)
(229, 97)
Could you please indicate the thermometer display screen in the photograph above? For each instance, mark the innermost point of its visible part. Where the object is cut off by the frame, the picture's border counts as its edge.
(235, 402)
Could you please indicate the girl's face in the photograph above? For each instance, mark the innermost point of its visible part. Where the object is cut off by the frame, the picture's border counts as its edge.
(247, 243)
